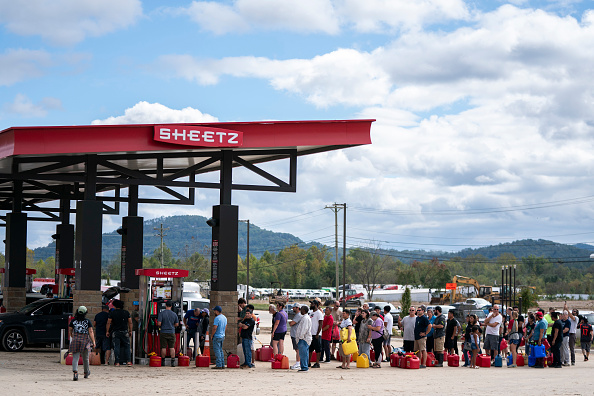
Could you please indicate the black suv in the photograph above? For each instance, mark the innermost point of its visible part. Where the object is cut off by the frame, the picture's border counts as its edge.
(38, 323)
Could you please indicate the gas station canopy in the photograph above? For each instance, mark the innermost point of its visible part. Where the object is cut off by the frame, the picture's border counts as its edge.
(42, 164)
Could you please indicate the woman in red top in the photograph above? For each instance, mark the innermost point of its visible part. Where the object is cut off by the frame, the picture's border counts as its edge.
(326, 334)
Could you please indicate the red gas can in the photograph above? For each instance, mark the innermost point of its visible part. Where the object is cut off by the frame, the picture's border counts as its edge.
(394, 360)
(549, 360)
(445, 356)
(257, 356)
(372, 356)
(68, 360)
(483, 360)
(453, 360)
(183, 361)
(402, 361)
(413, 362)
(314, 356)
(276, 365)
(339, 358)
(430, 362)
(155, 361)
(202, 361)
(266, 354)
(520, 360)
(232, 361)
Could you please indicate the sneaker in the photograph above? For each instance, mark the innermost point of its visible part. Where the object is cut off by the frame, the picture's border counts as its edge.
(422, 366)
(172, 362)
(296, 366)
(87, 374)
(573, 363)
(303, 371)
(75, 378)
(566, 364)
(317, 365)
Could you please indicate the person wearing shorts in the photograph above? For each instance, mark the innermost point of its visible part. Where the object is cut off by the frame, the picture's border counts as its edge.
(422, 328)
(167, 321)
(493, 323)
(439, 324)
(293, 332)
(585, 337)
(280, 329)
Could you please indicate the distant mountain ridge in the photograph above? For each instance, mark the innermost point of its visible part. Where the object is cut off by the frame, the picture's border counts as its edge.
(189, 233)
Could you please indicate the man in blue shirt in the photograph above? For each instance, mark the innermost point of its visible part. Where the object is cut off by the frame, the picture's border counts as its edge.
(191, 320)
(218, 336)
(538, 335)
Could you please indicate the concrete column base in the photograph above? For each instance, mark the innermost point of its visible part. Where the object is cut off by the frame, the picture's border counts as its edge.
(129, 298)
(228, 302)
(90, 299)
(14, 298)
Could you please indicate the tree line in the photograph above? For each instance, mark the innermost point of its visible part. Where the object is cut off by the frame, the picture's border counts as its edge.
(314, 267)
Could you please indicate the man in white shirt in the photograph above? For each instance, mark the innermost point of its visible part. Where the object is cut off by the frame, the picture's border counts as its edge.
(388, 323)
(317, 318)
(407, 324)
(303, 336)
(493, 323)
(573, 319)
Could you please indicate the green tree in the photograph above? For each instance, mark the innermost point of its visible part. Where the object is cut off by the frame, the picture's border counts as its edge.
(406, 301)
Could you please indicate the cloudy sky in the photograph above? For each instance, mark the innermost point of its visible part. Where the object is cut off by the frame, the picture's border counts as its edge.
(484, 109)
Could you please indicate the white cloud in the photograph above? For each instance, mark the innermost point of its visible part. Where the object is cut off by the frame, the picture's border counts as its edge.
(24, 106)
(67, 22)
(17, 65)
(305, 16)
(155, 113)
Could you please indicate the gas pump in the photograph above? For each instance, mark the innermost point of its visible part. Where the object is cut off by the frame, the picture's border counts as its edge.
(157, 286)
(65, 283)
(29, 272)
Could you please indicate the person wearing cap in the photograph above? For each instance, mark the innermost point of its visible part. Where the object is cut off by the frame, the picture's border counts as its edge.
(218, 336)
(119, 325)
(80, 331)
(102, 341)
(191, 321)
(538, 335)
(293, 333)
(203, 327)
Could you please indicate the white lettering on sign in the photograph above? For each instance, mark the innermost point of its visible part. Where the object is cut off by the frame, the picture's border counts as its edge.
(167, 273)
(198, 136)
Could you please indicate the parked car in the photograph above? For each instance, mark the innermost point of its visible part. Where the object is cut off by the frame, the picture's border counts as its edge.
(38, 323)
(395, 312)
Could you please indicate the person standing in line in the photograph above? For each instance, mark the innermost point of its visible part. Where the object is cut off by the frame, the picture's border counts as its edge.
(304, 339)
(119, 325)
(388, 324)
(475, 336)
(407, 324)
(439, 324)
(337, 317)
(585, 337)
(493, 323)
(377, 338)
(102, 341)
(219, 325)
(364, 333)
(167, 320)
(280, 329)
(422, 328)
(574, 320)
(247, 325)
(431, 318)
(357, 321)
(327, 325)
(272, 311)
(557, 339)
(453, 328)
(548, 318)
(317, 320)
(293, 333)
(565, 354)
(514, 338)
(203, 327)
(192, 321)
(346, 324)
(80, 331)
(538, 335)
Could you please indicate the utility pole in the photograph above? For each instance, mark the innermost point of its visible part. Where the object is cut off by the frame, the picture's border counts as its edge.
(335, 208)
(161, 234)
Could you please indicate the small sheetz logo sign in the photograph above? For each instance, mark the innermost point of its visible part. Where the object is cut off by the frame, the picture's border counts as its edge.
(202, 136)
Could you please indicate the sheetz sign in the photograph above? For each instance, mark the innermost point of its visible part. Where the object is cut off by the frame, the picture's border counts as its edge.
(195, 135)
